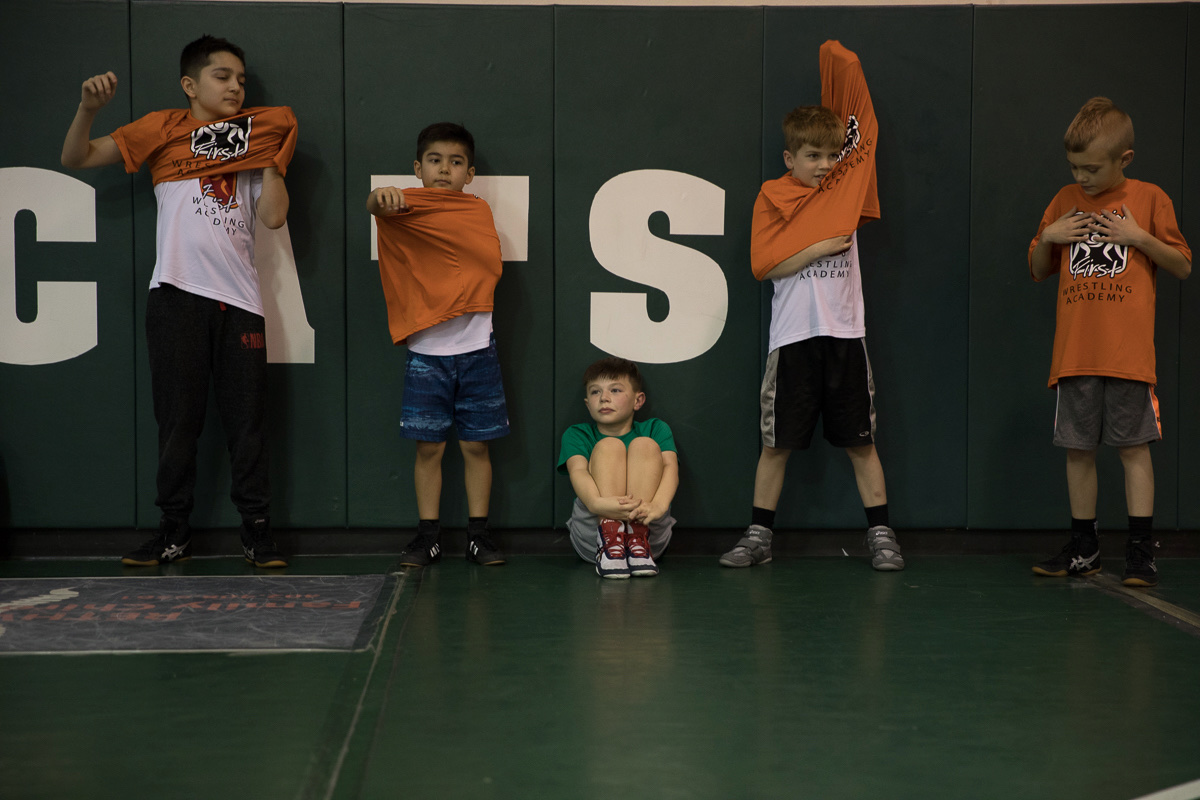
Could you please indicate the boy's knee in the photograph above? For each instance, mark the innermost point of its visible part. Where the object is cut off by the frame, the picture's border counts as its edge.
(475, 450)
(1134, 452)
(608, 446)
(427, 451)
(644, 445)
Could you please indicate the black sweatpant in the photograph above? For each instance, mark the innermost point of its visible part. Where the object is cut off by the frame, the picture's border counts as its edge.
(190, 339)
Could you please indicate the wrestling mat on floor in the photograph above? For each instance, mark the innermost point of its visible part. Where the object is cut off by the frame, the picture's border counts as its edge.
(190, 613)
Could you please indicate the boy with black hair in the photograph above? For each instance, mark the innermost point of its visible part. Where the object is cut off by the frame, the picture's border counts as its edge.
(218, 170)
(1103, 364)
(439, 261)
(624, 472)
(804, 240)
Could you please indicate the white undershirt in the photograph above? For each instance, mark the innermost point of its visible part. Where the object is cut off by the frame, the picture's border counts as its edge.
(462, 334)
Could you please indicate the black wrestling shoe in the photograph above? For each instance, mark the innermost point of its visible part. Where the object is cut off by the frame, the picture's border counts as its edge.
(258, 546)
(1140, 569)
(1081, 556)
(173, 542)
(482, 550)
(421, 551)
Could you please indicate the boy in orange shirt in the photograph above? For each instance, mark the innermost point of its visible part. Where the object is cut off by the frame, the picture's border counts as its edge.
(439, 260)
(218, 171)
(804, 240)
(1103, 366)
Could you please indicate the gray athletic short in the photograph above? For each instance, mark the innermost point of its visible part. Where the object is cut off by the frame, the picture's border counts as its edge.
(583, 526)
(1094, 410)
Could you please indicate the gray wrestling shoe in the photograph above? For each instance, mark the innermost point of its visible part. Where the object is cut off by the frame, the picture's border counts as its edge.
(753, 548)
(885, 550)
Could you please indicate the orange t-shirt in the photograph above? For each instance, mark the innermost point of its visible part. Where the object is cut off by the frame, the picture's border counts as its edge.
(438, 260)
(179, 146)
(1106, 292)
(789, 216)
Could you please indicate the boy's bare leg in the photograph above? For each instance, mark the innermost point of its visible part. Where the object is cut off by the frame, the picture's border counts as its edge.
(868, 474)
(1081, 483)
(427, 476)
(644, 468)
(609, 468)
(1139, 480)
(477, 473)
(768, 477)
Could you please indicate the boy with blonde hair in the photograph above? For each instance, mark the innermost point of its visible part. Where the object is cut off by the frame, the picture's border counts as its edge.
(218, 171)
(624, 472)
(804, 240)
(1106, 236)
(439, 262)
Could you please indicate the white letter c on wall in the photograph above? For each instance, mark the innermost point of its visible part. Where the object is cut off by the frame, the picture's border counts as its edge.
(66, 321)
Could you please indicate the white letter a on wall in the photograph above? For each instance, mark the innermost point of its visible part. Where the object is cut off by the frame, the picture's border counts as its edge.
(693, 282)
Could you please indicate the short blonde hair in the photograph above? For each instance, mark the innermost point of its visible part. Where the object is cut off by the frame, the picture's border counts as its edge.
(1100, 119)
(816, 126)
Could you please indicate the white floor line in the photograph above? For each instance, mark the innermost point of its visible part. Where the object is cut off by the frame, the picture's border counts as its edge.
(1184, 791)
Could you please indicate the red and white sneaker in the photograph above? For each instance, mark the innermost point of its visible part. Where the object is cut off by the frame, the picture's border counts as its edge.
(637, 550)
(610, 553)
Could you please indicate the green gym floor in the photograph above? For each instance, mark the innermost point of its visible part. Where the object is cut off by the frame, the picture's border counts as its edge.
(810, 677)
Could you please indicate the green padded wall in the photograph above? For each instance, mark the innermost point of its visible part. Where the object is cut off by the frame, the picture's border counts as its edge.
(914, 271)
(660, 109)
(490, 70)
(1188, 208)
(67, 426)
(642, 135)
(1027, 88)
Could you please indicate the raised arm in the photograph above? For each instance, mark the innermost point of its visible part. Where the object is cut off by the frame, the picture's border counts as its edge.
(79, 151)
(388, 200)
(273, 203)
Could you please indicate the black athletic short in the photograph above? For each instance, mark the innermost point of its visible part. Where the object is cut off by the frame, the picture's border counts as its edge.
(823, 376)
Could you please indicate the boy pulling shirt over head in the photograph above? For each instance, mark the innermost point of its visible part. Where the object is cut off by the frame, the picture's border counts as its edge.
(218, 170)
(439, 262)
(1106, 236)
(804, 240)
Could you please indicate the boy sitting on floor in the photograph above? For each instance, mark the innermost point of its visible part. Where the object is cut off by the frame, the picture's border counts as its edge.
(624, 472)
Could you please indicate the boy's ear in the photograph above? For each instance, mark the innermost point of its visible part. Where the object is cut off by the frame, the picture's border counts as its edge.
(639, 401)
(1126, 158)
(788, 161)
(189, 86)
(470, 175)
(417, 168)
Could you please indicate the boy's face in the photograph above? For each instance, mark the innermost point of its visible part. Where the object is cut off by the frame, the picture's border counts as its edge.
(810, 163)
(1096, 170)
(612, 401)
(219, 90)
(443, 165)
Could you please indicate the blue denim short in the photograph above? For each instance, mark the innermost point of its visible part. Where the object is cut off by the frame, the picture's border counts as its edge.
(463, 390)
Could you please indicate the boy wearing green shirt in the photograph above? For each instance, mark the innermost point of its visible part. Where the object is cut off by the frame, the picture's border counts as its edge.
(624, 472)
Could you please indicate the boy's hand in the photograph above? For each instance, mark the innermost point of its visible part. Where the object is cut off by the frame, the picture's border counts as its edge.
(831, 247)
(386, 200)
(98, 90)
(647, 513)
(616, 507)
(1071, 227)
(1117, 229)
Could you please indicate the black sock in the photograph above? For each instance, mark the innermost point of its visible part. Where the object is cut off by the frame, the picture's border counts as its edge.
(1140, 527)
(764, 517)
(428, 527)
(476, 525)
(877, 516)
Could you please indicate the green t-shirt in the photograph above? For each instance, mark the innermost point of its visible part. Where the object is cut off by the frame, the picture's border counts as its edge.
(578, 440)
